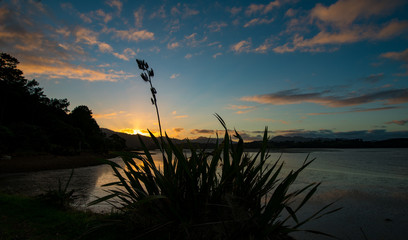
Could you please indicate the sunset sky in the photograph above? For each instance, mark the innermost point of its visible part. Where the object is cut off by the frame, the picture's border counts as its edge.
(310, 68)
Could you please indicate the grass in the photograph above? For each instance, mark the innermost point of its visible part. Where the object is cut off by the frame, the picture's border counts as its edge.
(30, 218)
(218, 194)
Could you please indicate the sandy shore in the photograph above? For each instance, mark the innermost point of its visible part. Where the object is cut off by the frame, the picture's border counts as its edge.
(38, 162)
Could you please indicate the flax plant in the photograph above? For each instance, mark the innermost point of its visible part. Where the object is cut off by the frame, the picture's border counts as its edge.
(220, 193)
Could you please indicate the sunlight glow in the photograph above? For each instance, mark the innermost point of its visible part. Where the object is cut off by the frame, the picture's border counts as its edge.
(135, 131)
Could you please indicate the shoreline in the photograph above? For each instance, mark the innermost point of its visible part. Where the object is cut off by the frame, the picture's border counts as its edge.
(42, 162)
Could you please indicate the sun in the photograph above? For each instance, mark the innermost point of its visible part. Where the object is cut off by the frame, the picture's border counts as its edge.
(133, 131)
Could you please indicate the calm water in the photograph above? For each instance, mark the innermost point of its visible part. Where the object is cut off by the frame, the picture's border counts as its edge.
(370, 184)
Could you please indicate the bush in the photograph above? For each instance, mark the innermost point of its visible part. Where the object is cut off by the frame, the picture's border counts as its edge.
(221, 194)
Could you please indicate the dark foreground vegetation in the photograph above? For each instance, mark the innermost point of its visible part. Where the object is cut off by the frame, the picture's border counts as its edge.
(30, 122)
(35, 219)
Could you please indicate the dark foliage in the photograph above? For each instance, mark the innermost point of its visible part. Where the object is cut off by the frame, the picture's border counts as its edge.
(32, 122)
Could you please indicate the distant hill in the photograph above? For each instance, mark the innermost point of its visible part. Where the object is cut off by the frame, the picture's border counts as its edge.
(132, 141)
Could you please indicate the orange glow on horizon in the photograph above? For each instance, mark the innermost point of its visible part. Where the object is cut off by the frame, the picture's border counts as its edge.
(135, 131)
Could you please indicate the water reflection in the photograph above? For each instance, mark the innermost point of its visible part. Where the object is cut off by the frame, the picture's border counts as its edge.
(372, 185)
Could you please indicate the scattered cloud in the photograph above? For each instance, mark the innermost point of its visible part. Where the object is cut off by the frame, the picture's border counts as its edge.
(202, 131)
(138, 14)
(217, 26)
(261, 8)
(368, 135)
(188, 56)
(115, 4)
(127, 53)
(234, 10)
(184, 11)
(133, 34)
(181, 116)
(345, 12)
(216, 55)
(294, 96)
(107, 115)
(160, 13)
(173, 45)
(398, 122)
(258, 21)
(174, 75)
(398, 56)
(374, 78)
(178, 130)
(240, 107)
(355, 110)
(242, 46)
(57, 69)
(290, 12)
(344, 22)
(192, 40)
(105, 16)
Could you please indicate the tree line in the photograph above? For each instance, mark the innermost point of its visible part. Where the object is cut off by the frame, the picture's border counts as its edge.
(32, 122)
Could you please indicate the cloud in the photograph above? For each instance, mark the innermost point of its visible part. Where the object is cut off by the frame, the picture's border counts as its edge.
(127, 53)
(234, 10)
(105, 16)
(353, 111)
(177, 130)
(115, 4)
(192, 41)
(294, 96)
(57, 69)
(345, 12)
(399, 122)
(368, 135)
(290, 12)
(216, 55)
(240, 107)
(138, 14)
(398, 56)
(202, 131)
(180, 116)
(261, 8)
(133, 34)
(184, 11)
(174, 75)
(258, 21)
(160, 13)
(188, 56)
(107, 115)
(173, 45)
(242, 46)
(217, 26)
(374, 78)
(90, 37)
(344, 22)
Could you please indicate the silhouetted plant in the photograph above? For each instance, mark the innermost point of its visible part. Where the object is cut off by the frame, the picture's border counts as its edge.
(218, 194)
(147, 76)
(60, 197)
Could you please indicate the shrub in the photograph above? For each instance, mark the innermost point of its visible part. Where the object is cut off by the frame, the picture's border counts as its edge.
(218, 194)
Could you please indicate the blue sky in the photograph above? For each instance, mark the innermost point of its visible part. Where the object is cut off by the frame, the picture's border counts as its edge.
(311, 68)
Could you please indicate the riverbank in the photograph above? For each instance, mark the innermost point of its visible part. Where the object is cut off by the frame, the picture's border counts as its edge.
(30, 218)
(39, 162)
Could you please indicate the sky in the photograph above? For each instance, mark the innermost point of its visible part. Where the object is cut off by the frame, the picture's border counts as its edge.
(301, 68)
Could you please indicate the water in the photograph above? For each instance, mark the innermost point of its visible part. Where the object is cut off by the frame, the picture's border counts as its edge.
(370, 184)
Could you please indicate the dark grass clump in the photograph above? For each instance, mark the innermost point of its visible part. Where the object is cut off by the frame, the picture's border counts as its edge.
(221, 194)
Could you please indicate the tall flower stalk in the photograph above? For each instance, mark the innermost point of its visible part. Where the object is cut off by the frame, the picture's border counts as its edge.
(147, 76)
